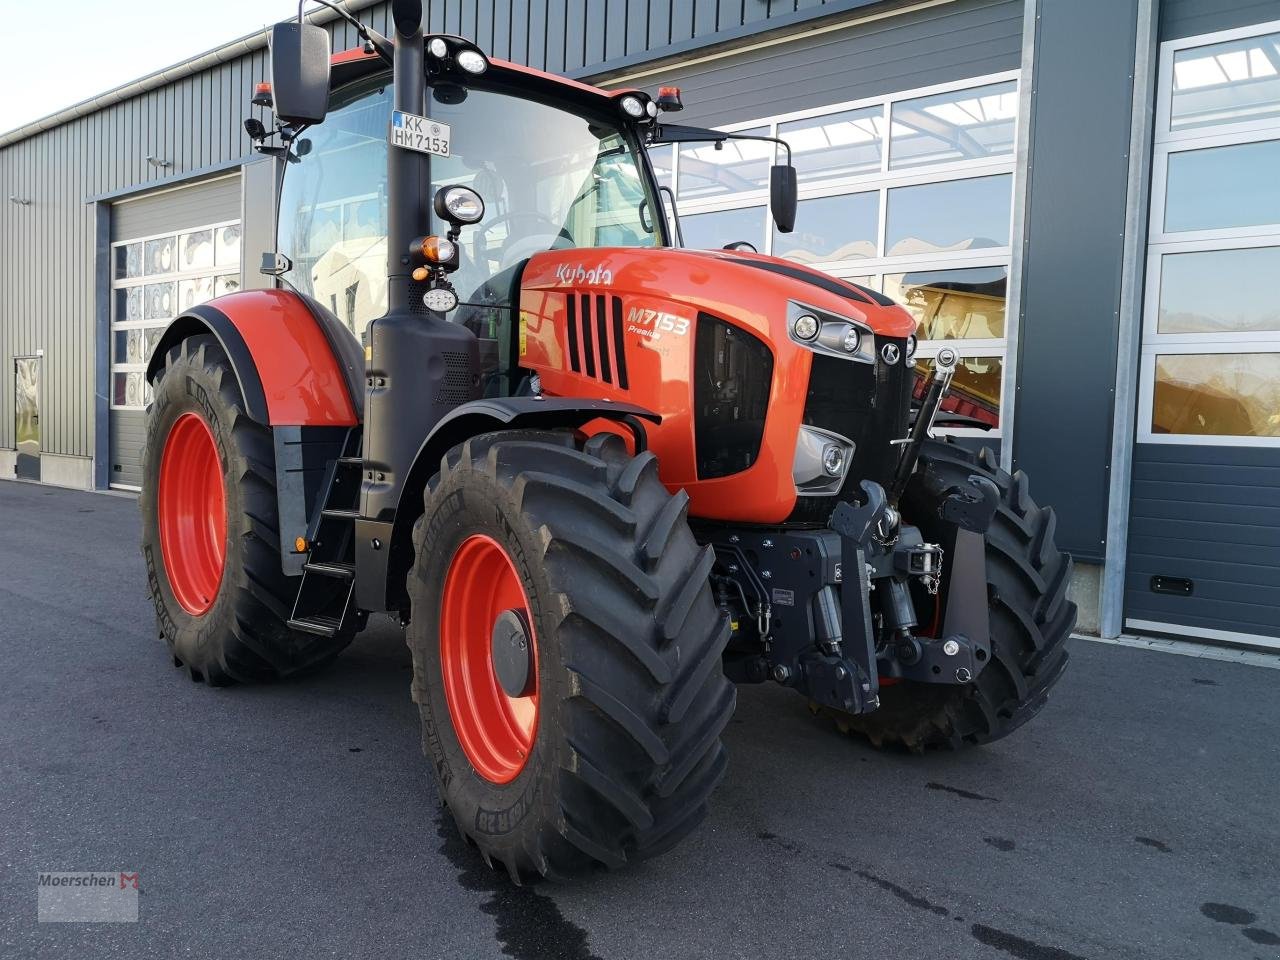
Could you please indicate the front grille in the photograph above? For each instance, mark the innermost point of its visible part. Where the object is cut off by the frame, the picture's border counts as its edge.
(592, 318)
(455, 385)
(867, 403)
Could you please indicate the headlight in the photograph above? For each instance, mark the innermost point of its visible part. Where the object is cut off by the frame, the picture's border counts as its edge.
(821, 461)
(438, 48)
(806, 326)
(440, 299)
(632, 107)
(828, 333)
(472, 61)
(459, 205)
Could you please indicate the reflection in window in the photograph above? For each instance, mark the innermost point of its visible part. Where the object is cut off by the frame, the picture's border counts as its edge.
(1223, 187)
(953, 304)
(195, 250)
(832, 228)
(975, 390)
(962, 125)
(663, 160)
(1220, 291)
(952, 215)
(711, 231)
(1226, 83)
(836, 145)
(1235, 395)
(736, 165)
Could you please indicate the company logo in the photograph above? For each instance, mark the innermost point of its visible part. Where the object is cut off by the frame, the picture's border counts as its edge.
(891, 353)
(577, 275)
(652, 324)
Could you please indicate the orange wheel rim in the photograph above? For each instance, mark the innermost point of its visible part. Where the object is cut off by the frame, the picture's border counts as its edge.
(191, 508)
(482, 591)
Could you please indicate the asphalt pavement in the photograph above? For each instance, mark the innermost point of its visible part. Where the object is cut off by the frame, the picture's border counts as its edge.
(1135, 818)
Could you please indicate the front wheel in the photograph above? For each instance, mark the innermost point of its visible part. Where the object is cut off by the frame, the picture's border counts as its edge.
(566, 653)
(1030, 615)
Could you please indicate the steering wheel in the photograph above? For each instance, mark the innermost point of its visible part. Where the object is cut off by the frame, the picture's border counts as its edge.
(537, 219)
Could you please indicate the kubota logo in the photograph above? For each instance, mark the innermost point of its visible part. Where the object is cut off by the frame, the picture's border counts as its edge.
(578, 275)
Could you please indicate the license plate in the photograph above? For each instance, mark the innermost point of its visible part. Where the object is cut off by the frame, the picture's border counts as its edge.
(419, 133)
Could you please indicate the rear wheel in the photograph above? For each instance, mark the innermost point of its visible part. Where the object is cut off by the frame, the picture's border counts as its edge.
(1030, 616)
(209, 528)
(566, 652)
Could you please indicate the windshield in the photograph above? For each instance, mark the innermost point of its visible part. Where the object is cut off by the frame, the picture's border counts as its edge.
(550, 179)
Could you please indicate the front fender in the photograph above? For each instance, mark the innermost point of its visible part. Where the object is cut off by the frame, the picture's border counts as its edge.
(383, 586)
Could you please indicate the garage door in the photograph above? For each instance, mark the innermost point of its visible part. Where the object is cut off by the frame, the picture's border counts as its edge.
(169, 251)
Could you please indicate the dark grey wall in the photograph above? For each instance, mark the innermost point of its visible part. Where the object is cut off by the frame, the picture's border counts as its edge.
(1211, 514)
(964, 39)
(1190, 18)
(1074, 238)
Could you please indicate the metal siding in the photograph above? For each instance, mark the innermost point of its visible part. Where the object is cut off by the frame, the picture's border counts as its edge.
(1071, 288)
(964, 39)
(1191, 18)
(1211, 514)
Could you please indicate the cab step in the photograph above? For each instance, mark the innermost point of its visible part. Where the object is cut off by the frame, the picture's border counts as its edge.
(320, 625)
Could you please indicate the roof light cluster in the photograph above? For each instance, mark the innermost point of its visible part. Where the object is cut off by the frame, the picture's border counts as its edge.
(461, 53)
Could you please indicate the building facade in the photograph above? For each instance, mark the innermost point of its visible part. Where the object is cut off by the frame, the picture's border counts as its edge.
(1078, 195)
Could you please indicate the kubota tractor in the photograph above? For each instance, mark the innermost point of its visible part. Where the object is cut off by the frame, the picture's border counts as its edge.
(598, 478)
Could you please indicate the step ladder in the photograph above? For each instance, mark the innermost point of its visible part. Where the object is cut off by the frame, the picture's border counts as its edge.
(324, 604)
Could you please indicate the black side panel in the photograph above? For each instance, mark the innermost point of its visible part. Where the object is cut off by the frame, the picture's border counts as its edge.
(303, 455)
(207, 319)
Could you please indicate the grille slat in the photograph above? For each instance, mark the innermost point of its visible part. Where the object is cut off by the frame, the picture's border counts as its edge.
(619, 349)
(588, 341)
(602, 330)
(572, 327)
(591, 348)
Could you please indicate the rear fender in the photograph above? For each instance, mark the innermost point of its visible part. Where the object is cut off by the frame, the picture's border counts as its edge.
(382, 572)
(300, 372)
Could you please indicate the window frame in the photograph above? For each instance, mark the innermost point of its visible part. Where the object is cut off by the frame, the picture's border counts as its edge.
(1166, 143)
(881, 182)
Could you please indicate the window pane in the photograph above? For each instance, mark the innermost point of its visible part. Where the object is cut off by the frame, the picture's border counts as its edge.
(975, 391)
(711, 231)
(130, 389)
(128, 304)
(158, 301)
(1226, 83)
(832, 228)
(663, 159)
(1235, 395)
(839, 145)
(191, 292)
(160, 256)
(1220, 291)
(738, 165)
(955, 215)
(961, 125)
(228, 246)
(1222, 187)
(228, 284)
(128, 261)
(195, 250)
(953, 304)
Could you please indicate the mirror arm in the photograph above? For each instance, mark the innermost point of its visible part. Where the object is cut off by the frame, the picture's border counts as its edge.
(676, 133)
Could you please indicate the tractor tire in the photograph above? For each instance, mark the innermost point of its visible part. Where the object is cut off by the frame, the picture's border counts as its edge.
(210, 538)
(1030, 616)
(601, 745)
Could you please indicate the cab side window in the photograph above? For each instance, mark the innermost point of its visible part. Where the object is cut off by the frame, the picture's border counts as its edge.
(333, 207)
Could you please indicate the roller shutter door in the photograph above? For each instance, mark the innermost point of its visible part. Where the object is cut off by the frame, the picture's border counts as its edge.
(169, 250)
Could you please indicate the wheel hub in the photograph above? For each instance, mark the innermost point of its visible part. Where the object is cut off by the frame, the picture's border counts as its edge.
(512, 653)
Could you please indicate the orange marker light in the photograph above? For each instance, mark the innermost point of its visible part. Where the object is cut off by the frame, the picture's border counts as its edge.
(421, 273)
(300, 545)
(438, 250)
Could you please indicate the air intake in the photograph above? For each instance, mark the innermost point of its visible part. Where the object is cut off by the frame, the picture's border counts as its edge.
(596, 348)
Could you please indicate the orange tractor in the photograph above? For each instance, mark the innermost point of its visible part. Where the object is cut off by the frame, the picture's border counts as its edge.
(598, 478)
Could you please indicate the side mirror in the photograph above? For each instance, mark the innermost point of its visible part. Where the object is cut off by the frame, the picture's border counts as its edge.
(782, 196)
(299, 72)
